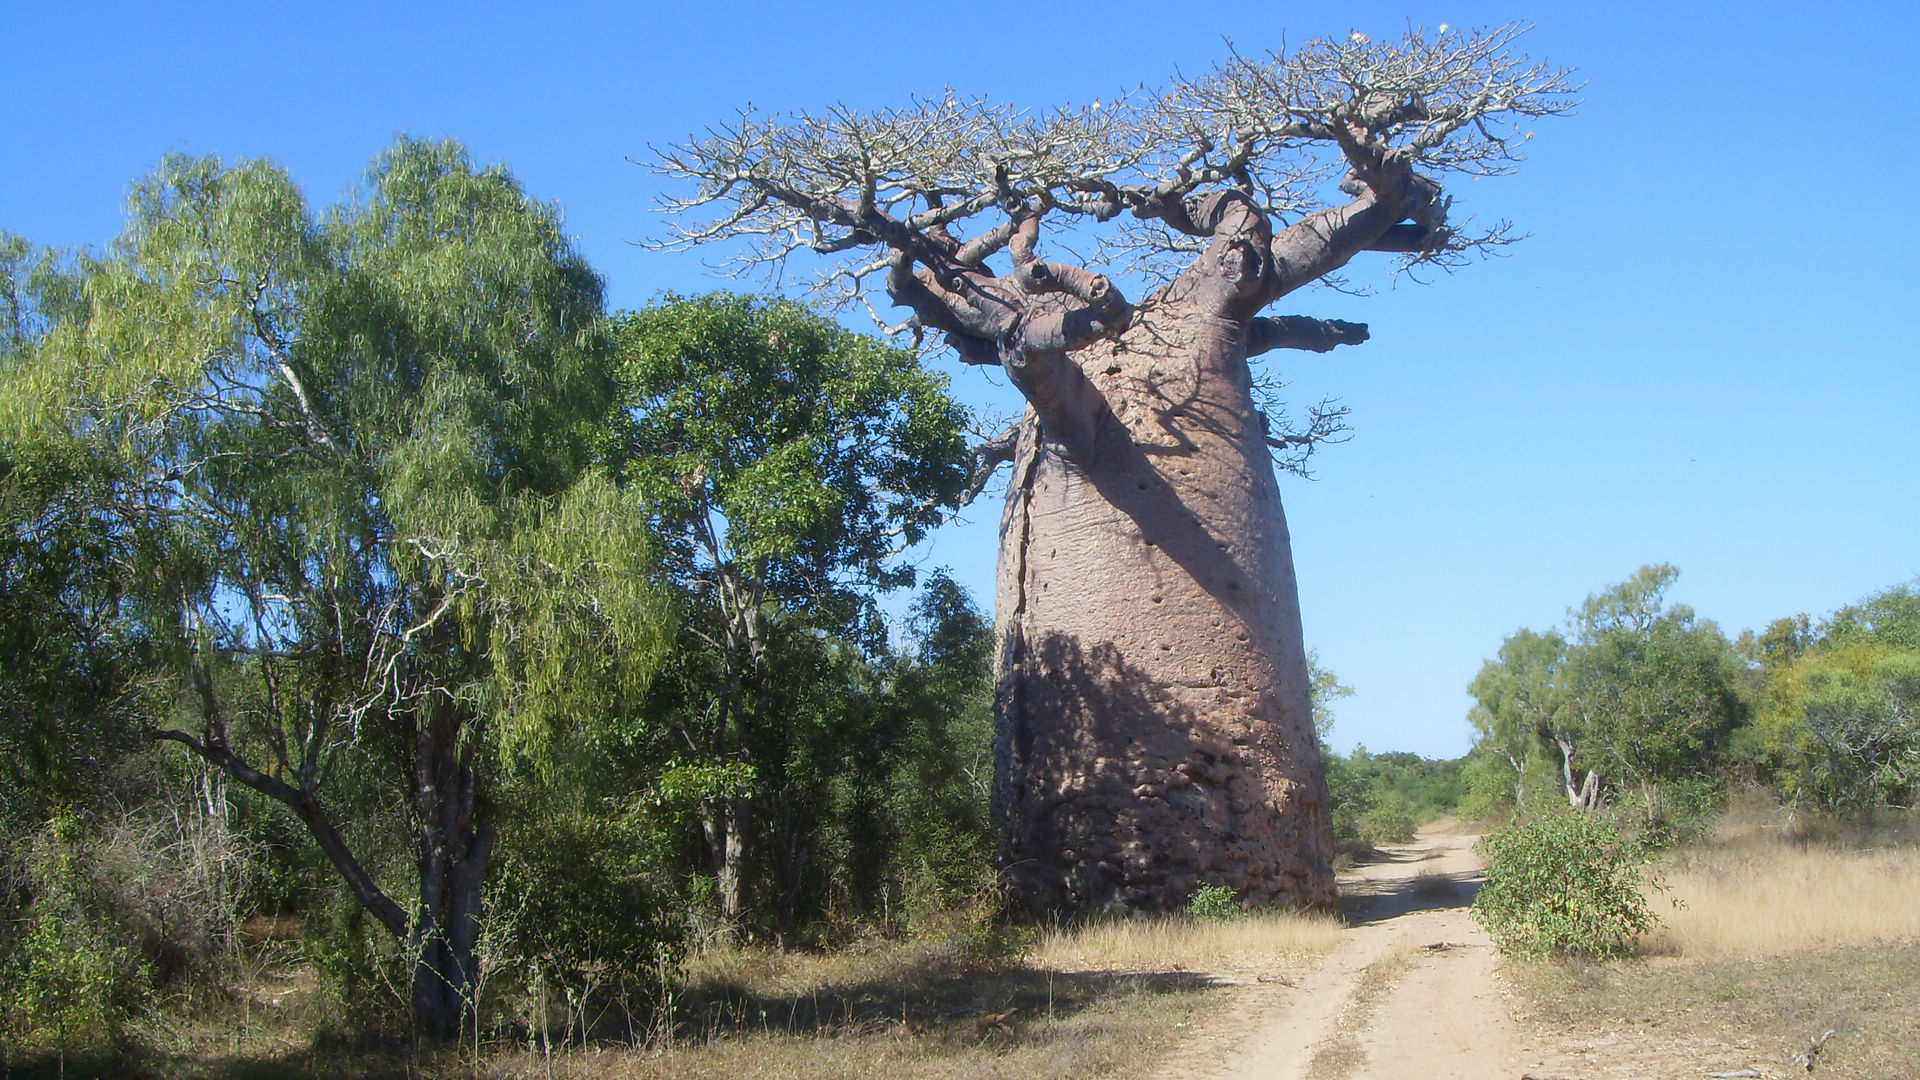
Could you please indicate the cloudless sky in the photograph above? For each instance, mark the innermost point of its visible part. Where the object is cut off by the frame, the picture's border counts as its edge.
(1705, 354)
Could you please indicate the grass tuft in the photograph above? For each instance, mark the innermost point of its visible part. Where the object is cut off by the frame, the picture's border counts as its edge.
(1261, 940)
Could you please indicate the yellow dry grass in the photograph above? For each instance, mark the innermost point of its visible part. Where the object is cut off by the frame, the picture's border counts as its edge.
(1262, 941)
(1769, 897)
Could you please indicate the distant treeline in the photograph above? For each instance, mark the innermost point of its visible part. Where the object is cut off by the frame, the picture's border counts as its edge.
(1642, 704)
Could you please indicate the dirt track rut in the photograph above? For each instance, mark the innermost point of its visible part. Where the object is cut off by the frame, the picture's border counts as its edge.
(1411, 993)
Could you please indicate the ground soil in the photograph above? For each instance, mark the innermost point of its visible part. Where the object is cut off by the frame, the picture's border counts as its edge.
(1412, 992)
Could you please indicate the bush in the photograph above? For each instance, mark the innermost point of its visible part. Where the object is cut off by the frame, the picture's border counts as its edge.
(74, 976)
(1387, 821)
(1214, 903)
(1565, 884)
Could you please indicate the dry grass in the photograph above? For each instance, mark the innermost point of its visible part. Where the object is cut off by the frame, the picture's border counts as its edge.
(930, 1009)
(1791, 926)
(1113, 1036)
(1263, 941)
(1769, 883)
(1435, 885)
(1681, 1017)
(1768, 899)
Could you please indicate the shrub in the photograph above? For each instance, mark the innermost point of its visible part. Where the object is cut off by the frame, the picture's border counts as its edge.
(73, 977)
(1565, 884)
(1214, 903)
(1387, 821)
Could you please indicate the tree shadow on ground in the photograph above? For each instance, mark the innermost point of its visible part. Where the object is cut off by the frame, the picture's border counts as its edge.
(929, 996)
(1363, 902)
(362, 1063)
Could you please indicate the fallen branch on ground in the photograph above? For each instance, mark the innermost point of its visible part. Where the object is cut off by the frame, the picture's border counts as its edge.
(1805, 1058)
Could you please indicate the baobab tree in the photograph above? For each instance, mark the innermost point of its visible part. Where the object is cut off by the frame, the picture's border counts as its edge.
(1154, 729)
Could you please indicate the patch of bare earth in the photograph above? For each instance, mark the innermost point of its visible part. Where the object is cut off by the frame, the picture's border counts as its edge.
(1852, 1006)
(1411, 992)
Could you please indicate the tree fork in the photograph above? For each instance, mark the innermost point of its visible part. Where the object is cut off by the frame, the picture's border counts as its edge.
(1154, 719)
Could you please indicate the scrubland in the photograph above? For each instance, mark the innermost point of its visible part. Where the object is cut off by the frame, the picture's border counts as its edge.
(1791, 932)
(1093, 1000)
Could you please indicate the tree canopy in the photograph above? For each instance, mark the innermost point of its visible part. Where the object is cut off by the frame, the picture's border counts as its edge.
(1337, 146)
(348, 472)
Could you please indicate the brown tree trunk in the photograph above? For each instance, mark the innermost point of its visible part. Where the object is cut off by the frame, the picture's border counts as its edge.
(1154, 725)
(453, 850)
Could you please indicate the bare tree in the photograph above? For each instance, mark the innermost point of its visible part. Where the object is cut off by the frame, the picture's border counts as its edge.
(1154, 723)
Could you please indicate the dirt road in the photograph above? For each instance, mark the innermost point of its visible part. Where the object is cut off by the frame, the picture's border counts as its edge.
(1411, 993)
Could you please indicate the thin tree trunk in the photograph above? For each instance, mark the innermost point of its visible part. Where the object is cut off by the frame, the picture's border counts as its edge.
(453, 852)
(1519, 780)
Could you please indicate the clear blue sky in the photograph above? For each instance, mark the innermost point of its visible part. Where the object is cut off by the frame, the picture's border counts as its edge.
(1704, 355)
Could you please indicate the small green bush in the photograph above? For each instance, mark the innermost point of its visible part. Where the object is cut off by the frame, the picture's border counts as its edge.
(1214, 903)
(71, 976)
(1565, 884)
(1387, 821)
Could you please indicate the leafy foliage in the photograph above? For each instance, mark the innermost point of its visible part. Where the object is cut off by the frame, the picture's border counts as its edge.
(1838, 707)
(1636, 695)
(1384, 798)
(1564, 884)
(72, 975)
(346, 465)
(788, 463)
(1214, 903)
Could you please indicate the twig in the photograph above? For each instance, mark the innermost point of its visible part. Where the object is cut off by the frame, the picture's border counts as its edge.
(1805, 1059)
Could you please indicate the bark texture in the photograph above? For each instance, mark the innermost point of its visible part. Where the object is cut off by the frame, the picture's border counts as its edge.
(1154, 723)
(1154, 726)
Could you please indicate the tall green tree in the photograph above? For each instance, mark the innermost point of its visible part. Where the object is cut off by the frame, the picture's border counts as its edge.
(1518, 700)
(350, 459)
(1633, 693)
(1652, 685)
(69, 687)
(790, 463)
(1838, 720)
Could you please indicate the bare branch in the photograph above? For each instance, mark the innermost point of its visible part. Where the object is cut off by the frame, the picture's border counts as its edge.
(1339, 146)
(988, 456)
(1301, 332)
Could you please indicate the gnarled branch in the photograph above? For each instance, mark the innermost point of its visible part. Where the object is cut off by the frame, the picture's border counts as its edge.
(1301, 332)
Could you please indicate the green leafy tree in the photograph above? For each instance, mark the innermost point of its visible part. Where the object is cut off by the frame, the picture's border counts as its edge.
(1838, 720)
(937, 801)
(69, 686)
(789, 463)
(1323, 688)
(1653, 687)
(350, 458)
(1518, 708)
(1634, 692)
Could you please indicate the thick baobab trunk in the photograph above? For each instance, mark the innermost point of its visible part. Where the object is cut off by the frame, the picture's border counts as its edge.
(1154, 725)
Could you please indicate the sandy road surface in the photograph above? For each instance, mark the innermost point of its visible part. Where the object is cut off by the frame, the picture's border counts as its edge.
(1410, 993)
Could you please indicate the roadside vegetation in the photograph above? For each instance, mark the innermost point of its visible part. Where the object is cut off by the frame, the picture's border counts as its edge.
(1792, 933)
(1707, 848)
(409, 666)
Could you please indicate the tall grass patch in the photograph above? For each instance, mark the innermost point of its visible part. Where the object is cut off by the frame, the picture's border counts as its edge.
(1769, 897)
(1174, 943)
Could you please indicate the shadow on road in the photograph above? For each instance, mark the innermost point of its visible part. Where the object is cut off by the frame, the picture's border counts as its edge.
(1378, 889)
